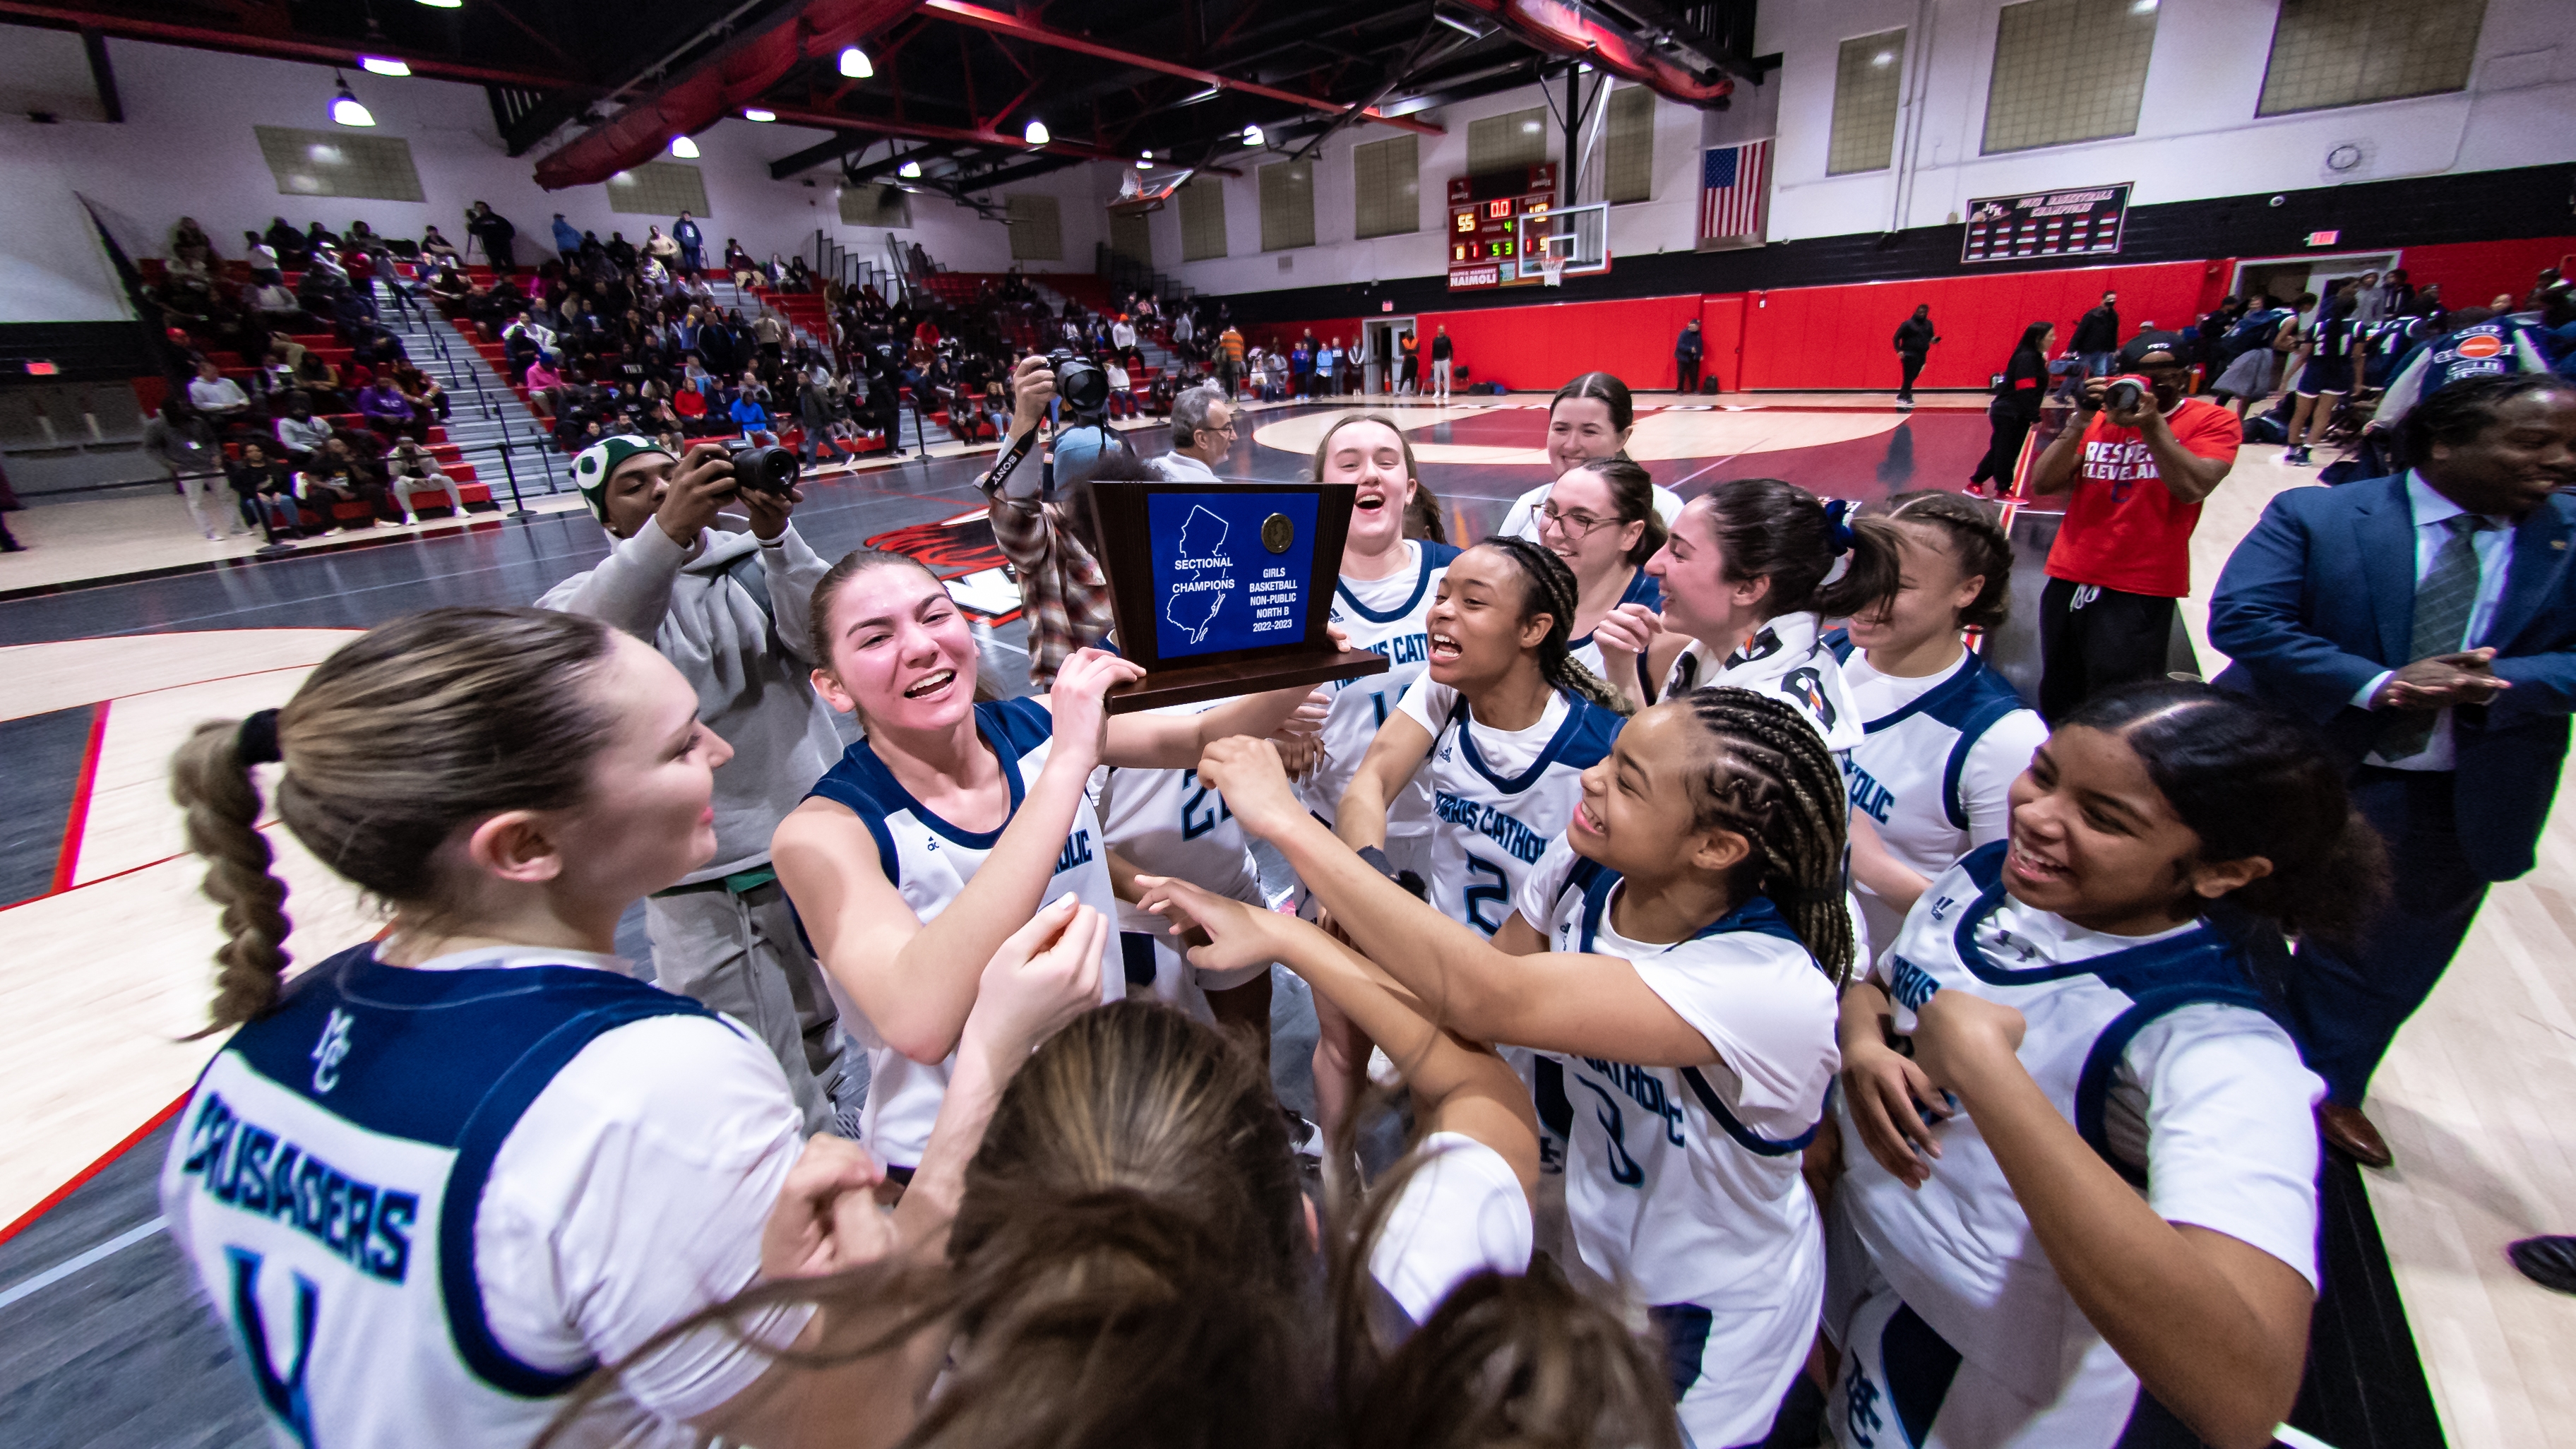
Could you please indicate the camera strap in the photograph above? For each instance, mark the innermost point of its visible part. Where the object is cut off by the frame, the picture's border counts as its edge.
(1010, 459)
(747, 572)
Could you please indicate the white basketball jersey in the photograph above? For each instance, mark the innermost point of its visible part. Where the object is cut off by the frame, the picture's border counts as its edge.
(930, 860)
(328, 1198)
(1386, 616)
(1165, 822)
(1496, 810)
(1641, 590)
(1785, 658)
(1960, 1252)
(1685, 1181)
(1911, 773)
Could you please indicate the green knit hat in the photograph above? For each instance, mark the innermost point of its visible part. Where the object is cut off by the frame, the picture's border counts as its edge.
(591, 470)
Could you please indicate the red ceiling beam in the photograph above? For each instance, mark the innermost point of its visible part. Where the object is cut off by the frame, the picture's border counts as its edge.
(1555, 26)
(1029, 30)
(276, 47)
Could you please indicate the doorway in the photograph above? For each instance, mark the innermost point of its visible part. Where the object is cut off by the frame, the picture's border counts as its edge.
(1386, 358)
(2286, 277)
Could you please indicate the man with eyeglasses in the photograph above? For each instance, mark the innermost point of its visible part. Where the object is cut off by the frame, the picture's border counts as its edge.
(1202, 432)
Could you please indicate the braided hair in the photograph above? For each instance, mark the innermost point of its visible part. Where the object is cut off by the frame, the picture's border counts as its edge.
(1550, 589)
(1771, 779)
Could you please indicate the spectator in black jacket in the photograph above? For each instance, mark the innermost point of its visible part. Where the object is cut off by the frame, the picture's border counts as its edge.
(2016, 407)
(1686, 355)
(1914, 339)
(2097, 337)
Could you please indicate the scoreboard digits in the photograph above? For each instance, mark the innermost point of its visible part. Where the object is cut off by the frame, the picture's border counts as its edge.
(1484, 213)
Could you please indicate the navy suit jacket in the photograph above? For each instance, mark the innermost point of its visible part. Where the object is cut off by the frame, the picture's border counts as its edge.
(2320, 598)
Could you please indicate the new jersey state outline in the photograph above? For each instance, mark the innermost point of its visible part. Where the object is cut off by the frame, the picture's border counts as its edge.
(1195, 600)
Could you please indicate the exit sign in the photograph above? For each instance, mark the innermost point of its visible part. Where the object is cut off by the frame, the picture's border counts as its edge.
(42, 369)
(2324, 238)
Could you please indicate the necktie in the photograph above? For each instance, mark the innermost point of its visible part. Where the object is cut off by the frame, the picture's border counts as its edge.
(2444, 599)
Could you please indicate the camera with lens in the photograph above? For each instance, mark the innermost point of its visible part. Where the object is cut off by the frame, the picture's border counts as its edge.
(2125, 394)
(1080, 385)
(767, 469)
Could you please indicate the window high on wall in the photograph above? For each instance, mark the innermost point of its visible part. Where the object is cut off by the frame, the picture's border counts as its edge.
(1507, 142)
(659, 188)
(869, 204)
(1037, 227)
(1287, 205)
(2351, 52)
(1132, 237)
(1386, 186)
(1869, 77)
(1629, 146)
(2068, 70)
(1203, 218)
(335, 163)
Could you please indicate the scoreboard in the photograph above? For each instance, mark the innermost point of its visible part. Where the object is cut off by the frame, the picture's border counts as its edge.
(1484, 225)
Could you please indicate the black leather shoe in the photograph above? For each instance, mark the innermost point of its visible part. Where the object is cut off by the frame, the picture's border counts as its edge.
(2549, 1262)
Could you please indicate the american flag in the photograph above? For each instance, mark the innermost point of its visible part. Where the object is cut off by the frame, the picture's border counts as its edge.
(1732, 183)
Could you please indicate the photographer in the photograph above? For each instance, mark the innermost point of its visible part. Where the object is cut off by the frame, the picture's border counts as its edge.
(2138, 457)
(1202, 435)
(729, 609)
(1062, 589)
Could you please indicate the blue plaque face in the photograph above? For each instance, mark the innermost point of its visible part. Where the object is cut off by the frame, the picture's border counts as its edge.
(1231, 569)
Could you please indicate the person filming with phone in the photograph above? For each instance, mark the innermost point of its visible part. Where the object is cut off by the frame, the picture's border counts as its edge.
(2137, 459)
(729, 608)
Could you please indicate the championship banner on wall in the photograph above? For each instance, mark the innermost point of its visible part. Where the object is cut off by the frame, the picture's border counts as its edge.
(2085, 221)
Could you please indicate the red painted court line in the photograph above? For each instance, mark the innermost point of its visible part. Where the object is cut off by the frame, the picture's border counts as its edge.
(52, 1199)
(67, 859)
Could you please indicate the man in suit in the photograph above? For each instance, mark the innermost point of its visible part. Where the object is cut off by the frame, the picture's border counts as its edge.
(2427, 623)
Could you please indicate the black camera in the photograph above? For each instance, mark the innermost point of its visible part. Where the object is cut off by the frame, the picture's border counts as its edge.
(2124, 394)
(770, 469)
(1080, 385)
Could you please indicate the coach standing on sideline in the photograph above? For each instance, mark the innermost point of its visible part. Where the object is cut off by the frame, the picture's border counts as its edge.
(2427, 622)
(729, 609)
(1686, 355)
(2123, 553)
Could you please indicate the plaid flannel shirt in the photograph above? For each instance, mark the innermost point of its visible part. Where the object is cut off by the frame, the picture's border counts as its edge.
(1063, 593)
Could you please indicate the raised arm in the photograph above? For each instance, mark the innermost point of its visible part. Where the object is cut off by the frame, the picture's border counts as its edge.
(1553, 1000)
(1398, 749)
(1154, 741)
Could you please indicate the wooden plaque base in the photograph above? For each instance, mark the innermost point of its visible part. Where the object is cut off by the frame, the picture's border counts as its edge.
(1190, 685)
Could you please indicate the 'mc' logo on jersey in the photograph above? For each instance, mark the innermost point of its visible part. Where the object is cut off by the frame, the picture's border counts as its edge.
(333, 1046)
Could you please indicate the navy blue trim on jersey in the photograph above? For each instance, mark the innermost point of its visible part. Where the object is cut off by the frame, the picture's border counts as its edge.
(1758, 916)
(1684, 1328)
(451, 1059)
(1971, 701)
(1580, 742)
(1433, 556)
(861, 782)
(2202, 954)
(2093, 1084)
(1920, 1365)
(1642, 589)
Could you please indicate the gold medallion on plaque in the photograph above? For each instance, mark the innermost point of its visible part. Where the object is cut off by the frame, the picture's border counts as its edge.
(1277, 533)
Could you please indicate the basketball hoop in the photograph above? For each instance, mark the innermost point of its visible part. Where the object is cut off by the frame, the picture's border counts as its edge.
(1551, 268)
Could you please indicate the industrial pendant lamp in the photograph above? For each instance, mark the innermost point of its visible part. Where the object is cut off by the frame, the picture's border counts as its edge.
(909, 171)
(684, 148)
(854, 63)
(345, 108)
(1036, 134)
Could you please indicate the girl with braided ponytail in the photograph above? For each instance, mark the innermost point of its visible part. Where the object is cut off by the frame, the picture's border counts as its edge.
(1674, 956)
(433, 1180)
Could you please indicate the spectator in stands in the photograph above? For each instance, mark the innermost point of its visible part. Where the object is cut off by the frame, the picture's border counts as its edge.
(262, 258)
(663, 249)
(770, 335)
(567, 238)
(692, 243)
(2137, 477)
(2097, 336)
(621, 252)
(1686, 357)
(450, 285)
(338, 475)
(218, 398)
(1202, 435)
(739, 263)
(1443, 353)
(299, 433)
(1914, 338)
(276, 307)
(1122, 333)
(264, 492)
(185, 447)
(319, 239)
(747, 412)
(411, 470)
(494, 232)
(1229, 361)
(435, 247)
(1122, 394)
(286, 241)
(1330, 369)
(189, 240)
(386, 410)
(816, 408)
(729, 610)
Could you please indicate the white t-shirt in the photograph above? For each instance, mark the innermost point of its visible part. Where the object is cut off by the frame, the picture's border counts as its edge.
(1460, 1213)
(1521, 519)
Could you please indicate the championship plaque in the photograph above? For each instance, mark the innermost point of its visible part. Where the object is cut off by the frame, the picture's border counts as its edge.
(1225, 590)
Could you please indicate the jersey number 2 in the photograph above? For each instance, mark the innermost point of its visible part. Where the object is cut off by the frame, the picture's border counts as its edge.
(1196, 818)
(1479, 896)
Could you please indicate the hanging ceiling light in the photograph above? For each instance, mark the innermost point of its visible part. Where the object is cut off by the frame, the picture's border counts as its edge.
(382, 65)
(854, 63)
(1145, 162)
(755, 113)
(684, 148)
(444, 4)
(1036, 134)
(1252, 135)
(345, 108)
(909, 171)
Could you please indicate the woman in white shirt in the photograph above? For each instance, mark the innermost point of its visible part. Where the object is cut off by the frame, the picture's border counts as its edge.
(1591, 417)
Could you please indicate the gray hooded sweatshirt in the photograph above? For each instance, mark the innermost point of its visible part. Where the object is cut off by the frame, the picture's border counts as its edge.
(752, 680)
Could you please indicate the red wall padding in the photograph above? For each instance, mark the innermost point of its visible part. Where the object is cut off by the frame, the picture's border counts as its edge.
(2472, 274)
(1842, 337)
(1538, 348)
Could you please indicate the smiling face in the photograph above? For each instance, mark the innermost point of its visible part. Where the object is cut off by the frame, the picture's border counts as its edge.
(1475, 629)
(1580, 524)
(1638, 814)
(1369, 456)
(1580, 429)
(2095, 841)
(2510, 466)
(647, 819)
(1699, 600)
(1930, 592)
(902, 657)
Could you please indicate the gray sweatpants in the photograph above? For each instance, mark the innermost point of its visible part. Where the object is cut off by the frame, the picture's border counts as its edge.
(741, 955)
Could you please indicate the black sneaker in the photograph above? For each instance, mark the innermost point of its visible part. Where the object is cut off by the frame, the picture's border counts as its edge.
(2547, 1261)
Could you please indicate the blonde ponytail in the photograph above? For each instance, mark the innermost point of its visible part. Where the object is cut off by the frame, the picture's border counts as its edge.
(211, 784)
